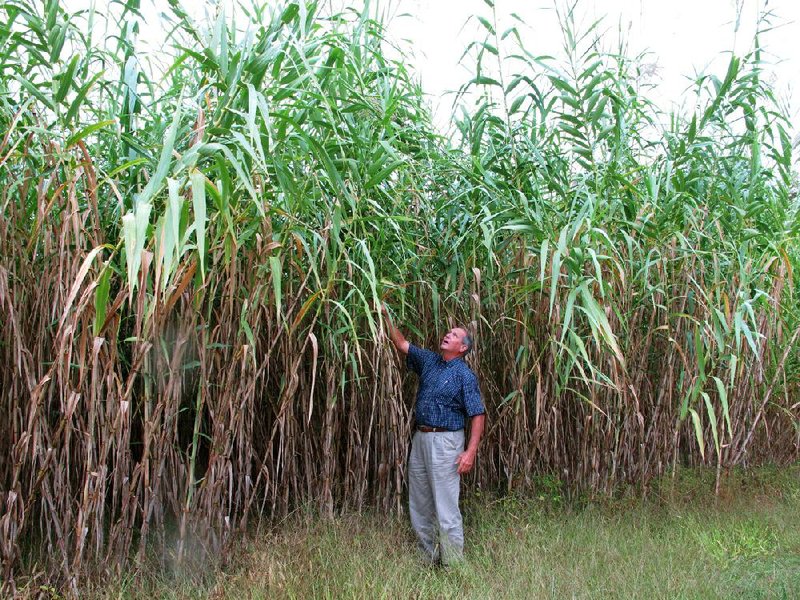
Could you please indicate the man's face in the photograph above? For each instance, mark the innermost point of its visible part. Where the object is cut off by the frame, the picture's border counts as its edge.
(453, 341)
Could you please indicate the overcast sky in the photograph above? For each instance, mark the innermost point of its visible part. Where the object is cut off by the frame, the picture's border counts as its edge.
(683, 37)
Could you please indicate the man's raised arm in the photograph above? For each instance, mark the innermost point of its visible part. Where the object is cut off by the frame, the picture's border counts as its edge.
(397, 338)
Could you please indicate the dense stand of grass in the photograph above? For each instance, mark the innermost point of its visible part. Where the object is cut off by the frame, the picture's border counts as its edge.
(680, 542)
(192, 250)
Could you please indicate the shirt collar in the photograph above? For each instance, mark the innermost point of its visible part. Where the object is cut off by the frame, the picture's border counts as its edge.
(450, 362)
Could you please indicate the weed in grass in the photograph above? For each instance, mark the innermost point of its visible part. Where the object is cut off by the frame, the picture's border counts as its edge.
(743, 540)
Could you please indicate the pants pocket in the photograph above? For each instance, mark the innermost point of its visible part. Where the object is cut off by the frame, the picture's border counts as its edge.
(453, 442)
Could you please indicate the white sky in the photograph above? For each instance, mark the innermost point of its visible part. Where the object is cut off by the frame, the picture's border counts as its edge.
(684, 37)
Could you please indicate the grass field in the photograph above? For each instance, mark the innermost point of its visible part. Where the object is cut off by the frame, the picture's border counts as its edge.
(679, 542)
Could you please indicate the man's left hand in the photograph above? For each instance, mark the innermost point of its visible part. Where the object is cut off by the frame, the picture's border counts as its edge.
(465, 462)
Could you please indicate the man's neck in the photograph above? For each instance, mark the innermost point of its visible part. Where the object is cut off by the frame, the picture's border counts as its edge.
(448, 356)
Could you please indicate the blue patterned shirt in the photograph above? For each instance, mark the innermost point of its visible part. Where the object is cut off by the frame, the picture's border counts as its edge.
(448, 390)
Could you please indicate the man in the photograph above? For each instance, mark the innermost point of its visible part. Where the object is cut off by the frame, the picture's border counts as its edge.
(447, 397)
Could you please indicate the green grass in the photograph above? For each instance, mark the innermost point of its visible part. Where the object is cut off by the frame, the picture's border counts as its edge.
(680, 542)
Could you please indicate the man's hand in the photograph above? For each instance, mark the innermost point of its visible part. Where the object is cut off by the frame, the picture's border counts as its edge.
(397, 338)
(465, 462)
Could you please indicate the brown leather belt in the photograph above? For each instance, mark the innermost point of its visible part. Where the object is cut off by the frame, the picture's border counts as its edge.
(426, 429)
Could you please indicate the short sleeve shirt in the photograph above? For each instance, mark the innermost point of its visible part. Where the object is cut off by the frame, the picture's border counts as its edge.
(448, 390)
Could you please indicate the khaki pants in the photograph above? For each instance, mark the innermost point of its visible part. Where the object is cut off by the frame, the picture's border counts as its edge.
(433, 489)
